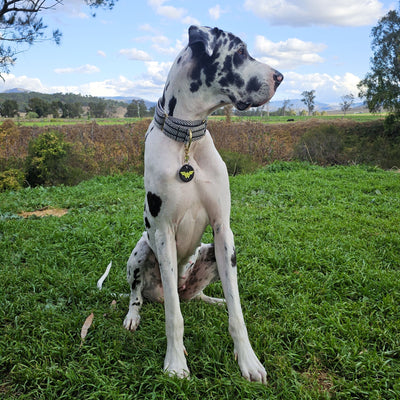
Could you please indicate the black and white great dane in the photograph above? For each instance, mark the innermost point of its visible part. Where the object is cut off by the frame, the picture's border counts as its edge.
(187, 188)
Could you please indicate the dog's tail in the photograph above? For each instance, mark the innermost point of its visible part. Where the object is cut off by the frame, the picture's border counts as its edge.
(104, 276)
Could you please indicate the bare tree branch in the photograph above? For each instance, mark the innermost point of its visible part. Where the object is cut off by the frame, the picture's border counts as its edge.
(21, 23)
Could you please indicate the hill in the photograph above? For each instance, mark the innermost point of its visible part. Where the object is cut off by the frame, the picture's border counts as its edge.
(128, 99)
(297, 105)
(22, 97)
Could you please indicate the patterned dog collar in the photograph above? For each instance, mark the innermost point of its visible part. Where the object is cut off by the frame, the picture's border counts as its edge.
(178, 129)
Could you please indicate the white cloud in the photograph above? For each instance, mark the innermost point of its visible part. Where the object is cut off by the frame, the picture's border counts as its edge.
(327, 88)
(147, 28)
(288, 54)
(171, 12)
(167, 11)
(122, 86)
(101, 53)
(83, 69)
(72, 8)
(135, 54)
(157, 71)
(317, 12)
(24, 82)
(160, 40)
(188, 20)
(216, 11)
(162, 45)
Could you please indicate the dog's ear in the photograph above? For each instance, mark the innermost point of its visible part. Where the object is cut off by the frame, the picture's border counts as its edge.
(200, 40)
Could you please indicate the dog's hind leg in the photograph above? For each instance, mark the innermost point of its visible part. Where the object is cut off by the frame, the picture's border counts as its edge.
(144, 279)
(199, 275)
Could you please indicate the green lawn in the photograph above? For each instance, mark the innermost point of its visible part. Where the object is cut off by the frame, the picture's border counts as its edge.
(41, 122)
(319, 274)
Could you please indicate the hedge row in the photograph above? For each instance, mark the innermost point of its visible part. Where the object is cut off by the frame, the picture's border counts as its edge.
(91, 149)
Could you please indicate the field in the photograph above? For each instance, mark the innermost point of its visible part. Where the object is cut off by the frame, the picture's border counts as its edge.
(359, 117)
(318, 258)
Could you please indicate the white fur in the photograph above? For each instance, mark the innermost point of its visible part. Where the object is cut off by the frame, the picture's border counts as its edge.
(169, 246)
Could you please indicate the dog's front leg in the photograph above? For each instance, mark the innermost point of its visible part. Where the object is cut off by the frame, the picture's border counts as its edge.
(249, 364)
(175, 360)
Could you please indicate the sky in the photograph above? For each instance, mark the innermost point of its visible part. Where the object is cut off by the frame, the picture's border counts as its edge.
(320, 45)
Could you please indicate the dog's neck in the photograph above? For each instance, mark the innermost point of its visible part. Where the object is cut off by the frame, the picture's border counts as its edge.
(178, 129)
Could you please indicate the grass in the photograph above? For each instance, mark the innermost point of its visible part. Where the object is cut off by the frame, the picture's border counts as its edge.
(318, 256)
(42, 122)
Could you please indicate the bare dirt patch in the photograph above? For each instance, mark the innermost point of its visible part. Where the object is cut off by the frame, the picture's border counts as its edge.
(44, 212)
(322, 380)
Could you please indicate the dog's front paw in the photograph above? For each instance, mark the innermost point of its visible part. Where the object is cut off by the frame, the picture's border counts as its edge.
(175, 365)
(131, 321)
(251, 367)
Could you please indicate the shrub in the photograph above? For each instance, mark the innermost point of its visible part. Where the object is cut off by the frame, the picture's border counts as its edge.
(238, 163)
(323, 145)
(392, 125)
(31, 115)
(11, 179)
(46, 161)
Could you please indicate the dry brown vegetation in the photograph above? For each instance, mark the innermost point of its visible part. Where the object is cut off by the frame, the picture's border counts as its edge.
(99, 149)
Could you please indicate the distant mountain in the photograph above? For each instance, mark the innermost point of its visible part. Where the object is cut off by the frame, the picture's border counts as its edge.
(16, 90)
(128, 99)
(22, 96)
(298, 105)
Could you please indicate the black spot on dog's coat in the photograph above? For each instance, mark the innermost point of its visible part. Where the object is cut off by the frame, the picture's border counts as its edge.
(229, 76)
(136, 280)
(154, 202)
(253, 85)
(233, 258)
(194, 86)
(147, 223)
(171, 106)
(210, 256)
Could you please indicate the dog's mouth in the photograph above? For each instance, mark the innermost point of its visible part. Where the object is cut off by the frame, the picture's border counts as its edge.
(242, 106)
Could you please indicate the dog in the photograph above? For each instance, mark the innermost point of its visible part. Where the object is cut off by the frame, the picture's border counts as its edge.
(187, 189)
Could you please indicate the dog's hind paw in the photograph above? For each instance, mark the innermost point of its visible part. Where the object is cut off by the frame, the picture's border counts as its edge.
(131, 321)
(210, 300)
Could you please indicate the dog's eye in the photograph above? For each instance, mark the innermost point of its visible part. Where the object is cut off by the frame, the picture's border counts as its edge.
(241, 51)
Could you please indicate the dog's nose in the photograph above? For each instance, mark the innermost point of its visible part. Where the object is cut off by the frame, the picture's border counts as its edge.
(278, 78)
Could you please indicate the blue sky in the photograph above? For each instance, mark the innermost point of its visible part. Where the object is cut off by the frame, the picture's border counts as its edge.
(320, 45)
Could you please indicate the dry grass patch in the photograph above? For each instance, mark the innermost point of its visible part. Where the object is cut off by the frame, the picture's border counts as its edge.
(44, 212)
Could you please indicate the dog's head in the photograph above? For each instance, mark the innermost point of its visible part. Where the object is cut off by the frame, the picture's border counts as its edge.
(221, 62)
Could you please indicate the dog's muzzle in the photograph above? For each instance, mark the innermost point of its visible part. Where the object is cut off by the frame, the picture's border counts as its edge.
(278, 78)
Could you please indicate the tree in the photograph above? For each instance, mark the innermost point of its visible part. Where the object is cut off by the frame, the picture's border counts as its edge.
(9, 108)
(381, 86)
(228, 113)
(71, 110)
(20, 24)
(286, 104)
(347, 102)
(38, 106)
(98, 109)
(137, 108)
(308, 99)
